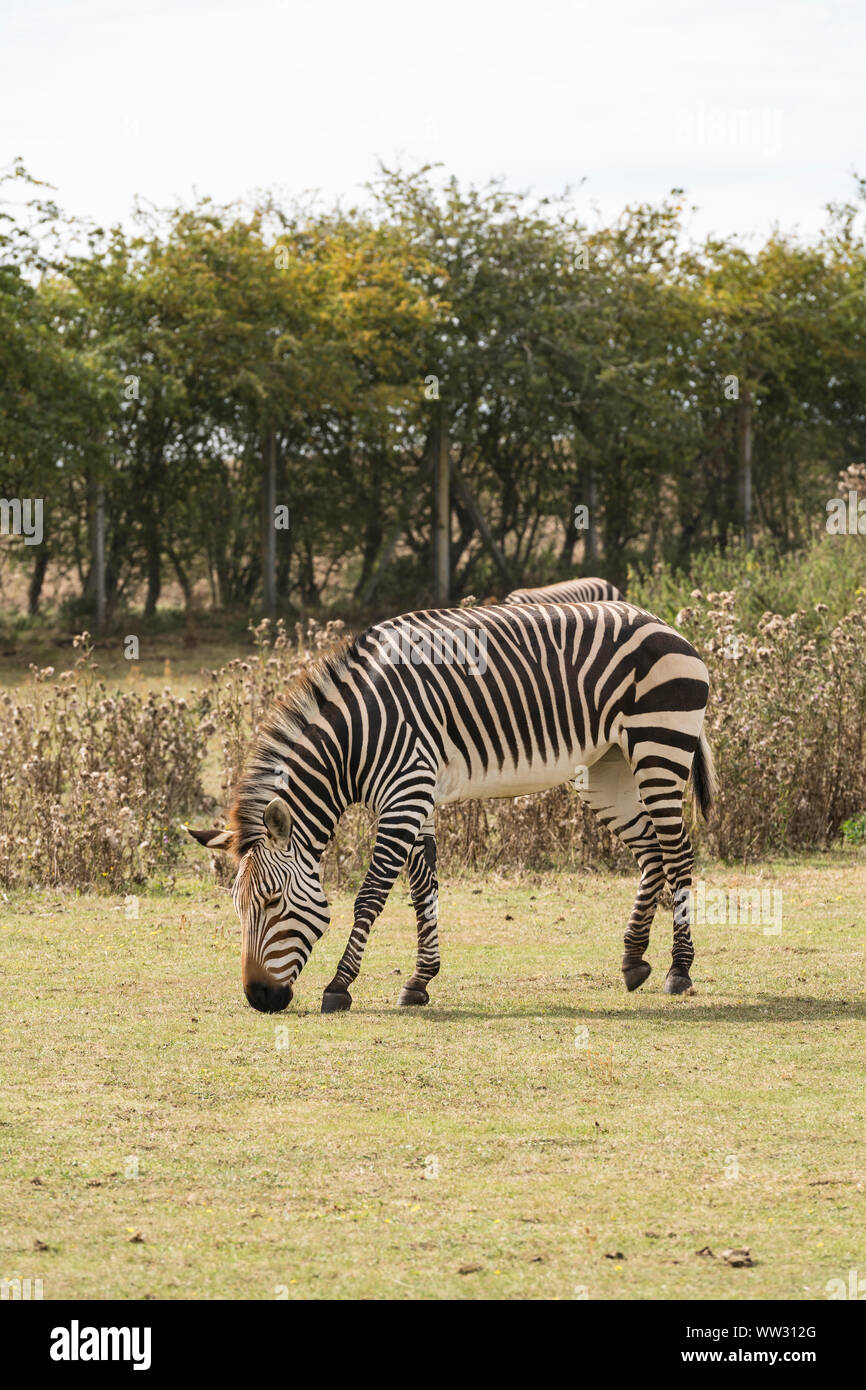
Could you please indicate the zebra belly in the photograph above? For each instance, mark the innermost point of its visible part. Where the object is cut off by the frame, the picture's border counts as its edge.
(456, 784)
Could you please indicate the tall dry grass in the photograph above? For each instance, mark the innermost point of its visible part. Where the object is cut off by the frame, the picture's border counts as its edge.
(94, 784)
(785, 721)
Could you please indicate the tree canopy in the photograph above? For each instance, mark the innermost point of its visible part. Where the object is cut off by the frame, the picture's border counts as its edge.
(612, 395)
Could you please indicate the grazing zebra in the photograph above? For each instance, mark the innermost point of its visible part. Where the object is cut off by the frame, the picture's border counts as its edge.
(442, 706)
(568, 591)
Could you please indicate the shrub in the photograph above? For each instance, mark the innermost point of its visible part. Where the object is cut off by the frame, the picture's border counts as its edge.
(854, 830)
(92, 783)
(785, 722)
(829, 570)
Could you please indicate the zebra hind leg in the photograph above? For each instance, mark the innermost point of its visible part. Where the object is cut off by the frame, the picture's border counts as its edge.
(611, 792)
(645, 849)
(424, 890)
(663, 794)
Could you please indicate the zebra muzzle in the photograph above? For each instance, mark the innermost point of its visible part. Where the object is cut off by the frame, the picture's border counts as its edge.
(268, 998)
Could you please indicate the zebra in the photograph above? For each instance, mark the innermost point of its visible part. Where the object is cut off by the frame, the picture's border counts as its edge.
(454, 704)
(568, 591)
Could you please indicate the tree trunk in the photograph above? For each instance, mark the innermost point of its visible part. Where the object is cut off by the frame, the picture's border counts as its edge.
(412, 499)
(590, 548)
(284, 550)
(269, 546)
(309, 590)
(566, 550)
(154, 574)
(471, 503)
(37, 579)
(370, 551)
(746, 467)
(442, 515)
(96, 539)
(183, 578)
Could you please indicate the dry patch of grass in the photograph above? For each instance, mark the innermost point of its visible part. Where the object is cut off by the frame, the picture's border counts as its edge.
(535, 1132)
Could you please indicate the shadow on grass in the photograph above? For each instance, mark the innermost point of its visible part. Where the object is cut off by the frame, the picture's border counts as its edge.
(764, 1009)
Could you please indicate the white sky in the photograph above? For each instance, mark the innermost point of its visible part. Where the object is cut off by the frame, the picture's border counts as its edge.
(755, 107)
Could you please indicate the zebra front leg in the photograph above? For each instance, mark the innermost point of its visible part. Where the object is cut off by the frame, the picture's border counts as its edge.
(425, 899)
(397, 831)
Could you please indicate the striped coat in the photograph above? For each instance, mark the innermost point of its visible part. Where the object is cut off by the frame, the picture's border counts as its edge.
(568, 591)
(437, 707)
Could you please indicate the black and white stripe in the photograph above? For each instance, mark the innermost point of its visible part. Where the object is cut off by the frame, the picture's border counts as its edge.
(568, 591)
(437, 707)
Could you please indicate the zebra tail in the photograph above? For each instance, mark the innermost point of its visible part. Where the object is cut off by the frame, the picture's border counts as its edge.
(704, 776)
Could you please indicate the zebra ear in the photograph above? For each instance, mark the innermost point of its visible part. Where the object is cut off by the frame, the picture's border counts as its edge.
(278, 823)
(212, 839)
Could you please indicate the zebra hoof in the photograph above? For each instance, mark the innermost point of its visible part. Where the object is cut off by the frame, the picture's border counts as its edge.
(635, 975)
(677, 982)
(413, 996)
(335, 1003)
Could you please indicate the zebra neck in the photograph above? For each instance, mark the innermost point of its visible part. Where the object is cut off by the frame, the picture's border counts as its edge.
(332, 769)
(318, 788)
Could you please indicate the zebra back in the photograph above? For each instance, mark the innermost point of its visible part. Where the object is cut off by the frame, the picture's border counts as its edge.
(569, 591)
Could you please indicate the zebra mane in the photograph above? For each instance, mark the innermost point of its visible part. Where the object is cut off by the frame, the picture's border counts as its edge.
(286, 720)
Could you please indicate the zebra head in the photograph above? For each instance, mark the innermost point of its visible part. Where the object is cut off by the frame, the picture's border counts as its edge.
(278, 897)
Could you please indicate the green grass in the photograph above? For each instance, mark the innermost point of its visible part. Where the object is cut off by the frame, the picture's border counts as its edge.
(381, 1152)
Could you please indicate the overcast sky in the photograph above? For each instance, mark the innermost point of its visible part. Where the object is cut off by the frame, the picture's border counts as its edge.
(755, 107)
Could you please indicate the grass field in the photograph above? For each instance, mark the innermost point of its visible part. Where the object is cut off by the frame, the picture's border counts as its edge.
(165, 657)
(160, 1139)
